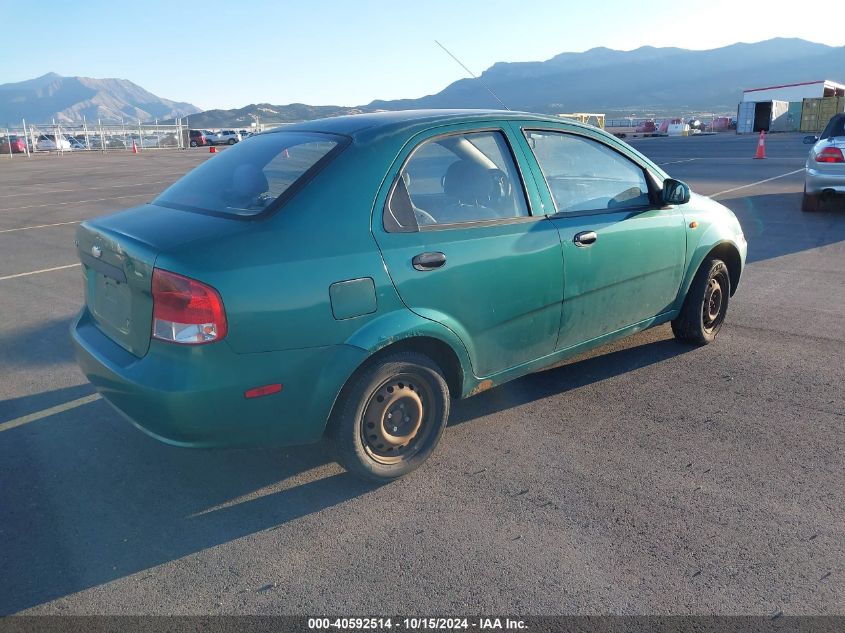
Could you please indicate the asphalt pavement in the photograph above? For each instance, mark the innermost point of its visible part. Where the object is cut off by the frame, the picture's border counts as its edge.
(647, 477)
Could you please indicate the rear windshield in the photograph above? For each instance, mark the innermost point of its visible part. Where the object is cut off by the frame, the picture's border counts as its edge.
(834, 127)
(254, 176)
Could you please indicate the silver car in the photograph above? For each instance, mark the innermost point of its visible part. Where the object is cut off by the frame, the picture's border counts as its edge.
(825, 168)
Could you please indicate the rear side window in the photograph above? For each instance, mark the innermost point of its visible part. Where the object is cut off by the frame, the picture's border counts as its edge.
(253, 177)
(585, 175)
(456, 179)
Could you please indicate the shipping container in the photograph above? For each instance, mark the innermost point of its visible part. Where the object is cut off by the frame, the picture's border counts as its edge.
(761, 116)
(780, 121)
(745, 117)
(815, 113)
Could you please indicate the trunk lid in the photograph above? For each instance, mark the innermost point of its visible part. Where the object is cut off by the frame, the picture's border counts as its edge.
(118, 253)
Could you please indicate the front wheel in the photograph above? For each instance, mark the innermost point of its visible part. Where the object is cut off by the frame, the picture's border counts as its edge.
(706, 304)
(391, 416)
(232, 141)
(193, 143)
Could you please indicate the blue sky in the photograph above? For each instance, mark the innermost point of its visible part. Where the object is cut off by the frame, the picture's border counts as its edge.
(228, 54)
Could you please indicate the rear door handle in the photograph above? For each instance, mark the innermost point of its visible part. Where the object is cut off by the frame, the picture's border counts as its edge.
(428, 261)
(585, 238)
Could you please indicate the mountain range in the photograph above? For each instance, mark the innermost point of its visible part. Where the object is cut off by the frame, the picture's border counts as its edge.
(69, 99)
(647, 81)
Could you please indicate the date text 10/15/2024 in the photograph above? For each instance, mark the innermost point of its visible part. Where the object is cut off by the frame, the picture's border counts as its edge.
(415, 624)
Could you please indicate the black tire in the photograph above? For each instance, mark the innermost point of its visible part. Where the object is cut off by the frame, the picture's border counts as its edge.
(232, 141)
(363, 444)
(810, 202)
(705, 305)
(193, 143)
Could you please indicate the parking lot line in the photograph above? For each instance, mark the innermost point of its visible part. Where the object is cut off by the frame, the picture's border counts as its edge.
(38, 272)
(59, 408)
(675, 162)
(754, 184)
(61, 204)
(41, 193)
(38, 226)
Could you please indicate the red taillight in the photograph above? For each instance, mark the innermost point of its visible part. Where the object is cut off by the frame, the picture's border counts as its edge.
(830, 155)
(185, 310)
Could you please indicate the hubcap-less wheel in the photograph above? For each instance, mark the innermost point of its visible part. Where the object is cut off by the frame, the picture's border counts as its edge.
(712, 303)
(705, 305)
(712, 312)
(397, 419)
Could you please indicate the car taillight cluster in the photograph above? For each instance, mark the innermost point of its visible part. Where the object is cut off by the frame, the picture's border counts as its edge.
(830, 155)
(186, 311)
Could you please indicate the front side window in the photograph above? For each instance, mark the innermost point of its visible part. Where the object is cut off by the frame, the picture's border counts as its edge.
(456, 179)
(247, 179)
(585, 175)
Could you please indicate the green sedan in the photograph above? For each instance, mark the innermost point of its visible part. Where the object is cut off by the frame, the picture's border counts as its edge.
(351, 276)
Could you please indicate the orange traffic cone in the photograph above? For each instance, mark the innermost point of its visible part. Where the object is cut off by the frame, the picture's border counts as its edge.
(761, 146)
(212, 150)
(134, 147)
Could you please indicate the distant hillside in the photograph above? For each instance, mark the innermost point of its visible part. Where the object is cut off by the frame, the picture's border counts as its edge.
(266, 114)
(624, 82)
(69, 99)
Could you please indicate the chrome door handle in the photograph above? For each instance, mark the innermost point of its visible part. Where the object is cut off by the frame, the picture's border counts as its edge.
(428, 261)
(585, 238)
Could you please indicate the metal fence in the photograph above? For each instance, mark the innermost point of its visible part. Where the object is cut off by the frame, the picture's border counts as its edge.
(35, 138)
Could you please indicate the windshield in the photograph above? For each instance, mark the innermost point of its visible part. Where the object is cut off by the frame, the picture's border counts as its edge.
(249, 178)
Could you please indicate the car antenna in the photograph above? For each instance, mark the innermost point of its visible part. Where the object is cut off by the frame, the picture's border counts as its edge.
(472, 74)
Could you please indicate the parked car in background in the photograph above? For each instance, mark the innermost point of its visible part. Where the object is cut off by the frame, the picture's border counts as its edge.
(12, 144)
(198, 138)
(225, 137)
(77, 144)
(825, 167)
(48, 142)
(696, 126)
(401, 260)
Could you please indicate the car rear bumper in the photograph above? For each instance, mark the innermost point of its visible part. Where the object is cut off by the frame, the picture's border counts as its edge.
(194, 395)
(816, 181)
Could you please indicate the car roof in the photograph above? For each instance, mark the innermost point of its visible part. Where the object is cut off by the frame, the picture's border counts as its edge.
(360, 126)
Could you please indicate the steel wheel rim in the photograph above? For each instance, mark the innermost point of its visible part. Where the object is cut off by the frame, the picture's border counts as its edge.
(398, 418)
(714, 303)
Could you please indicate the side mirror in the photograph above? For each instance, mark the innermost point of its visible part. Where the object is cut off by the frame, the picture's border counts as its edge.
(810, 140)
(675, 192)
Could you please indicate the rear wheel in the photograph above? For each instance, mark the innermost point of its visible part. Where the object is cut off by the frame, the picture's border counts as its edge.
(390, 418)
(193, 143)
(810, 202)
(706, 304)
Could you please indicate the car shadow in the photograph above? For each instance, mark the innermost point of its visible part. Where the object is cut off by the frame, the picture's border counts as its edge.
(86, 499)
(606, 362)
(38, 344)
(774, 224)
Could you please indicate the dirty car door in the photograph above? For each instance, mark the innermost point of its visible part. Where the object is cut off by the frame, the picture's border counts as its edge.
(623, 251)
(463, 249)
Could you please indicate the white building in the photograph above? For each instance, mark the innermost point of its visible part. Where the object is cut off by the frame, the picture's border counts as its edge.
(795, 92)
